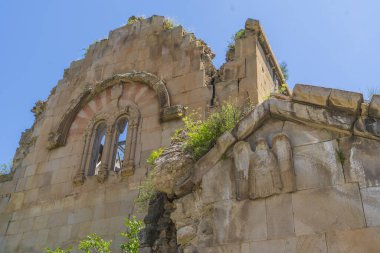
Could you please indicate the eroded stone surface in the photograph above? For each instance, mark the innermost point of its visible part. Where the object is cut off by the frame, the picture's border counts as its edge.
(361, 240)
(317, 165)
(361, 160)
(329, 209)
(374, 106)
(311, 94)
(318, 116)
(346, 100)
(280, 216)
(239, 221)
(371, 205)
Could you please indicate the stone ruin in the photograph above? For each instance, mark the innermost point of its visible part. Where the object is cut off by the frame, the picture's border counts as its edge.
(299, 173)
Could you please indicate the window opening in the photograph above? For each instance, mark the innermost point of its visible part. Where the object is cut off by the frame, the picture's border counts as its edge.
(120, 144)
(97, 151)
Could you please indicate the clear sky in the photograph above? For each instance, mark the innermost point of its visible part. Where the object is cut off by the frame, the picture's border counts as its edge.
(333, 43)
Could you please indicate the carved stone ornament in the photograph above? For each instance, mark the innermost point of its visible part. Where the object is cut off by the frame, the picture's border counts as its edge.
(264, 172)
(59, 134)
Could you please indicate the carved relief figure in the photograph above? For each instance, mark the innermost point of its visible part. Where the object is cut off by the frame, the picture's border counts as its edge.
(242, 155)
(264, 172)
(282, 149)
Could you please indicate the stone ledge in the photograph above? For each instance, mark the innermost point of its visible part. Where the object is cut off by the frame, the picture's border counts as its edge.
(346, 100)
(311, 94)
(326, 97)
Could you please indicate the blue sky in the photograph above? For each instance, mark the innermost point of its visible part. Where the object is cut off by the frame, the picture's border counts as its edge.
(332, 43)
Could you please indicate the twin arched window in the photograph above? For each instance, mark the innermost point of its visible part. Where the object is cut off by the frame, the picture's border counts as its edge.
(110, 144)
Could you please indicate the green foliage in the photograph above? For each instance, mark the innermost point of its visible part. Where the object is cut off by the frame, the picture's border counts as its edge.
(132, 243)
(284, 70)
(154, 156)
(201, 135)
(146, 191)
(282, 89)
(169, 24)
(340, 156)
(94, 244)
(4, 169)
(58, 250)
(134, 19)
(238, 35)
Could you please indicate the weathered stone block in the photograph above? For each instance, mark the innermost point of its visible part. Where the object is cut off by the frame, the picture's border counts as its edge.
(321, 210)
(301, 244)
(244, 221)
(374, 107)
(280, 216)
(361, 160)
(317, 165)
(218, 184)
(311, 94)
(371, 205)
(354, 241)
(252, 121)
(302, 134)
(346, 100)
(185, 234)
(321, 117)
(267, 131)
(368, 127)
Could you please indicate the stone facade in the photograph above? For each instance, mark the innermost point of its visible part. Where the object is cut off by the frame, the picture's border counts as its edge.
(316, 149)
(300, 176)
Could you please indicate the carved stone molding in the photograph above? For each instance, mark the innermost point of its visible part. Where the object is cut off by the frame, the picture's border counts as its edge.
(59, 134)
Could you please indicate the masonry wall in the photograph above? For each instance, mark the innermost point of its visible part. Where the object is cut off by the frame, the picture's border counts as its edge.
(328, 203)
(41, 206)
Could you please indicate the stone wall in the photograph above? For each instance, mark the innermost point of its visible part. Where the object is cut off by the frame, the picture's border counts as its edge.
(301, 175)
(325, 198)
(142, 66)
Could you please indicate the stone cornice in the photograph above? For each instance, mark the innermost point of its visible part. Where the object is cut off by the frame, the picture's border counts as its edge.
(335, 110)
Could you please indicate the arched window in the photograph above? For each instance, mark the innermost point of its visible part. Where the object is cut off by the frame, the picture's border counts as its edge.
(110, 145)
(120, 144)
(98, 141)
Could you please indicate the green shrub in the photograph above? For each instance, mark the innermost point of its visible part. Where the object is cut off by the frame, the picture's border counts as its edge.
(238, 35)
(284, 70)
(201, 135)
(134, 19)
(58, 250)
(146, 191)
(132, 244)
(4, 169)
(94, 243)
(154, 156)
(283, 88)
(169, 24)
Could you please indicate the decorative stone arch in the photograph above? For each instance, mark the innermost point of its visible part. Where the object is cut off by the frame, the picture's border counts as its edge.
(58, 136)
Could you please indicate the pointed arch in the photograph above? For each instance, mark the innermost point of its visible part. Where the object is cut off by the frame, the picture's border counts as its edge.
(58, 136)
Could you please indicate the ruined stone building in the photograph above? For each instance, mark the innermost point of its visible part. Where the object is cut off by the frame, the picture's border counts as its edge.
(299, 173)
